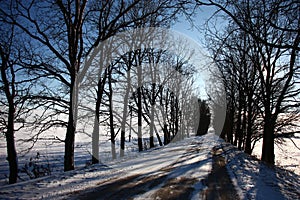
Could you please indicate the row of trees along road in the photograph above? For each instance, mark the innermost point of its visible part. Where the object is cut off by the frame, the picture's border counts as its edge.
(43, 45)
(257, 59)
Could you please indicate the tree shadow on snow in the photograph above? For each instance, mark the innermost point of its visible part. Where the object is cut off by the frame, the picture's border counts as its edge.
(257, 180)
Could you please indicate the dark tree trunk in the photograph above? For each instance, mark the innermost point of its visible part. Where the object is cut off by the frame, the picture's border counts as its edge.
(70, 135)
(122, 142)
(112, 135)
(238, 126)
(231, 122)
(140, 115)
(268, 141)
(69, 144)
(166, 135)
(11, 149)
(176, 120)
(158, 137)
(204, 118)
(139, 100)
(227, 131)
(152, 116)
(96, 130)
(243, 133)
(95, 139)
(248, 147)
(130, 126)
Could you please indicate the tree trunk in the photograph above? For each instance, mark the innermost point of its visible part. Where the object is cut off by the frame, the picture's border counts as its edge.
(70, 135)
(140, 140)
(152, 125)
(9, 89)
(153, 98)
(96, 130)
(238, 125)
(176, 120)
(125, 111)
(112, 137)
(111, 118)
(130, 125)
(268, 141)
(248, 147)
(227, 130)
(166, 135)
(95, 140)
(158, 137)
(244, 127)
(139, 102)
(69, 144)
(11, 149)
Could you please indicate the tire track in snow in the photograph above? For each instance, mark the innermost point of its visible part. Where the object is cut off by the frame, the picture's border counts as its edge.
(219, 183)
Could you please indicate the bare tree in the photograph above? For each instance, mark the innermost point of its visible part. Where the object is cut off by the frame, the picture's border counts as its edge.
(15, 90)
(8, 87)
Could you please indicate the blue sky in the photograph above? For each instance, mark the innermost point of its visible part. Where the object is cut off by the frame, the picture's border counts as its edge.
(183, 26)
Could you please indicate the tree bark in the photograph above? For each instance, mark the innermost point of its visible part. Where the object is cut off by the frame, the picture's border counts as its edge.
(139, 100)
(96, 129)
(248, 147)
(11, 149)
(140, 139)
(152, 111)
(69, 143)
(268, 141)
(95, 139)
(71, 128)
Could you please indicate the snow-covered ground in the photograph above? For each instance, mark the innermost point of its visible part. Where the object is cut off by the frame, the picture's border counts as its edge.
(287, 155)
(257, 180)
(191, 158)
(60, 185)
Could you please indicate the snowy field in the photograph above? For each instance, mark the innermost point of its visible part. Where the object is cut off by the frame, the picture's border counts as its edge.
(49, 154)
(252, 179)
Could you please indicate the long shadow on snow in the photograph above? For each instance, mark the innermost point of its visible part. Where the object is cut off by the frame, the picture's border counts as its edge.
(130, 186)
(259, 180)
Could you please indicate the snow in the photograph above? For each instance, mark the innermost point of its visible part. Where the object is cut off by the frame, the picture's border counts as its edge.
(188, 159)
(287, 155)
(256, 180)
(61, 184)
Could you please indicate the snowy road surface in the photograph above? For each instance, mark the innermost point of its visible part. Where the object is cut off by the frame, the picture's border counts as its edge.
(196, 168)
(178, 178)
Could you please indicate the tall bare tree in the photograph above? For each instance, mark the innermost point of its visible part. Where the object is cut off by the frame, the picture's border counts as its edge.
(8, 87)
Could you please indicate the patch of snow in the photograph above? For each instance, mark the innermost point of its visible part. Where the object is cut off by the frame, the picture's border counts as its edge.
(287, 155)
(256, 180)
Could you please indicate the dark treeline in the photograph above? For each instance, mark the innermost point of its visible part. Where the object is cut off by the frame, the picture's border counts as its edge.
(257, 59)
